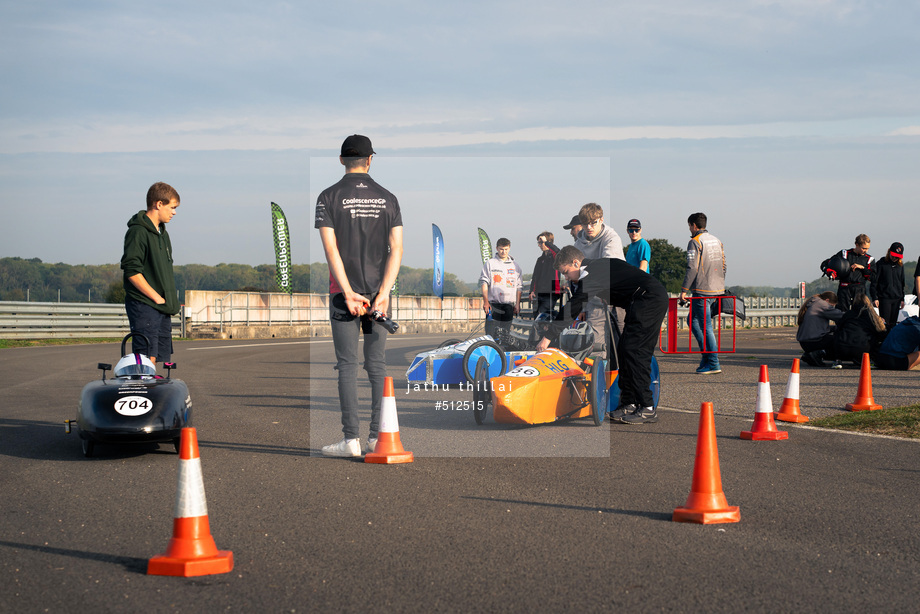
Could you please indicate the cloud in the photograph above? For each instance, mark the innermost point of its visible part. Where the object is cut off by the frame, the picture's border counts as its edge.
(137, 76)
(427, 130)
(906, 131)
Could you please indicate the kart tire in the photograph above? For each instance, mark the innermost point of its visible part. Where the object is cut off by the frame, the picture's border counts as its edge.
(482, 397)
(597, 391)
(176, 443)
(494, 355)
(448, 342)
(88, 447)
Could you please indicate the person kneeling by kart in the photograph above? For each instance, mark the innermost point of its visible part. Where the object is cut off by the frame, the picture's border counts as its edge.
(901, 348)
(645, 301)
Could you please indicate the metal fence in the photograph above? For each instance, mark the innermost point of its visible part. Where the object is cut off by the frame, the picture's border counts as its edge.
(26, 320)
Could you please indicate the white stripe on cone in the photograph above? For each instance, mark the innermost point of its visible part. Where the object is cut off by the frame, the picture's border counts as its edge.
(389, 423)
(764, 399)
(792, 387)
(190, 500)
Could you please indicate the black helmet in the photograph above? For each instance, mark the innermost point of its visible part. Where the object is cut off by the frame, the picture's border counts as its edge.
(836, 266)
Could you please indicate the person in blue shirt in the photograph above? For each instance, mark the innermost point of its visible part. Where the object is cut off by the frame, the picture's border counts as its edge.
(901, 349)
(639, 252)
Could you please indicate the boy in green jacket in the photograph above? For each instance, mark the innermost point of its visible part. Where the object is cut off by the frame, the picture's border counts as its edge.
(150, 286)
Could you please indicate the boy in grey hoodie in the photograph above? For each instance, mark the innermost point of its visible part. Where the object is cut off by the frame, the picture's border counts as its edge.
(597, 240)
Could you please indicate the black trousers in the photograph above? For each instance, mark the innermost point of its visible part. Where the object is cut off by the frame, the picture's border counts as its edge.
(641, 330)
(825, 343)
(500, 325)
(846, 294)
(889, 308)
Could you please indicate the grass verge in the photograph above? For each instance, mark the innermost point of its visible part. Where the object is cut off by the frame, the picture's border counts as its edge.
(896, 422)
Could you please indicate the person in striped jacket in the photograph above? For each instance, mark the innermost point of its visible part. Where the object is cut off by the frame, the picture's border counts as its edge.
(705, 278)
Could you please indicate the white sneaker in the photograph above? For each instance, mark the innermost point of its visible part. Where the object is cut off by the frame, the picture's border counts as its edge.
(371, 444)
(346, 448)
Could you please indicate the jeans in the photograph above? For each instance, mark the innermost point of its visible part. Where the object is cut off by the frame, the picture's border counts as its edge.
(701, 326)
(546, 303)
(345, 331)
(153, 329)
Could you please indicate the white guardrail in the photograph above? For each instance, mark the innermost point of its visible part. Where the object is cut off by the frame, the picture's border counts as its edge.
(28, 320)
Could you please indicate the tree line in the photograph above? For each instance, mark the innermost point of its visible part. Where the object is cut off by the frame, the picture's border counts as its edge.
(31, 279)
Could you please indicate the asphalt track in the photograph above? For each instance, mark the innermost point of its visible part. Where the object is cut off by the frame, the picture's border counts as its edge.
(489, 518)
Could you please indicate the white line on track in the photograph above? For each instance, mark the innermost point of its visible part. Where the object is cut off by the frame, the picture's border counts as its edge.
(805, 427)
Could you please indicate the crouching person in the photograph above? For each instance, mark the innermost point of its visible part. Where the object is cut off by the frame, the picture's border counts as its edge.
(901, 349)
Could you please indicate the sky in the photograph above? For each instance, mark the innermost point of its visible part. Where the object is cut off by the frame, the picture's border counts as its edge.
(793, 124)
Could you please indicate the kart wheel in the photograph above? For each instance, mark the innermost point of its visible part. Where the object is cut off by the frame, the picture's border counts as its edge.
(448, 342)
(482, 397)
(494, 355)
(88, 447)
(176, 442)
(597, 391)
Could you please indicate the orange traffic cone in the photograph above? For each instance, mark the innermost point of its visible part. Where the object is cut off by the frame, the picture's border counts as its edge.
(864, 400)
(706, 503)
(789, 410)
(191, 551)
(389, 448)
(764, 428)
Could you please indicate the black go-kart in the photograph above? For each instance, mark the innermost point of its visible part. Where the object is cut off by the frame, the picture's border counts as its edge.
(134, 406)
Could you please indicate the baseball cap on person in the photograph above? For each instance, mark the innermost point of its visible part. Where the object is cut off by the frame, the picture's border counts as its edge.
(576, 221)
(896, 250)
(357, 146)
(633, 223)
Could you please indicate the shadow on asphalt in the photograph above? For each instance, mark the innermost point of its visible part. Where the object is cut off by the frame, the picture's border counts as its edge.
(19, 437)
(641, 514)
(130, 563)
(255, 447)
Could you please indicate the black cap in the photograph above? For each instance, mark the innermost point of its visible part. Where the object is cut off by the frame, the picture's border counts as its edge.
(633, 223)
(576, 221)
(896, 250)
(357, 146)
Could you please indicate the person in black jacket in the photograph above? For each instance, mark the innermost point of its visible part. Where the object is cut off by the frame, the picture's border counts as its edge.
(545, 285)
(645, 301)
(887, 285)
(860, 271)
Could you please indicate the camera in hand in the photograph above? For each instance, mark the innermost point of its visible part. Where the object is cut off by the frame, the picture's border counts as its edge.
(384, 321)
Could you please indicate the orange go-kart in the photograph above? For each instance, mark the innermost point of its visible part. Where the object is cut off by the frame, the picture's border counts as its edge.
(552, 385)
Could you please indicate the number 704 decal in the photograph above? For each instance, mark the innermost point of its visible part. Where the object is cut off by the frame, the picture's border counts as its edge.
(133, 406)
